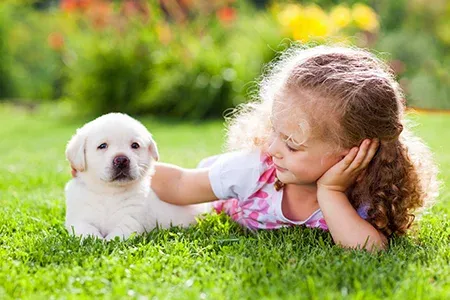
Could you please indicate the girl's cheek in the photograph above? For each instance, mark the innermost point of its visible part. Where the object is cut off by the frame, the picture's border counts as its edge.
(271, 138)
(329, 160)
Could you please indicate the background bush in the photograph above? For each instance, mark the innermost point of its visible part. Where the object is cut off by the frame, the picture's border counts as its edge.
(199, 60)
(6, 81)
(110, 72)
(31, 65)
(418, 40)
(202, 74)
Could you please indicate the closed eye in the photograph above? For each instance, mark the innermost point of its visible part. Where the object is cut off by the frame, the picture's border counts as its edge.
(291, 149)
(103, 146)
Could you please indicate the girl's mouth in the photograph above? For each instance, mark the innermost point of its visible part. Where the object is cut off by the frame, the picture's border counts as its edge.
(280, 169)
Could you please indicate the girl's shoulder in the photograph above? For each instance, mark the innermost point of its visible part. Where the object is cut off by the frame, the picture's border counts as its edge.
(236, 174)
(239, 160)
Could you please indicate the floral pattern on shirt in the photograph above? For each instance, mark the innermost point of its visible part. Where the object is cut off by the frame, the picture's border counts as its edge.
(262, 208)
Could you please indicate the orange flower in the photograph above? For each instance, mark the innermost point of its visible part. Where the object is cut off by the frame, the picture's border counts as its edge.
(164, 33)
(85, 4)
(69, 5)
(55, 40)
(100, 14)
(132, 8)
(72, 5)
(226, 15)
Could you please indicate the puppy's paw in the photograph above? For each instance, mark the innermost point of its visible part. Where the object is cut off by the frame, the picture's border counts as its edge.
(90, 235)
(117, 232)
(85, 231)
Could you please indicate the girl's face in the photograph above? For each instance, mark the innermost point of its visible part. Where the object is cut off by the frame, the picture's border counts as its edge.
(299, 158)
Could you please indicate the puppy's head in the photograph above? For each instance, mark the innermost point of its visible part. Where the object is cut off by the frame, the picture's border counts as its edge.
(114, 148)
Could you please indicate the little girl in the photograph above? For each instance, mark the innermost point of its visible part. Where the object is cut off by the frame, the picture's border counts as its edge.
(325, 145)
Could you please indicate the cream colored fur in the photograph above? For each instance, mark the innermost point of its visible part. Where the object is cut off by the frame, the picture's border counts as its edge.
(106, 201)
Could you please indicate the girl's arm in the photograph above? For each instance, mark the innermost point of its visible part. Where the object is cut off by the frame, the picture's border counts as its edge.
(182, 186)
(346, 226)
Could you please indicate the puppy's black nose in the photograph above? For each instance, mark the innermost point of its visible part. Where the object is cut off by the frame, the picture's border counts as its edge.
(121, 162)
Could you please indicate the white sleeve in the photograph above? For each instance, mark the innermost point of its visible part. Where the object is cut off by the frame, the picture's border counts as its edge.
(234, 174)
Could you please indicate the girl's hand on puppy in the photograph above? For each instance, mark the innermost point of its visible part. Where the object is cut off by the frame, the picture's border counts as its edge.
(343, 174)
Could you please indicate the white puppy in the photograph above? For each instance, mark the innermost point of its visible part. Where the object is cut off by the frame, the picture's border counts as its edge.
(111, 195)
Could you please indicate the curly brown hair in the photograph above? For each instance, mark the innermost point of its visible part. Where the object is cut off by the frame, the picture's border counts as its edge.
(349, 95)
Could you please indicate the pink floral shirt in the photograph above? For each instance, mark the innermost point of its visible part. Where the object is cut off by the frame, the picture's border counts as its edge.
(245, 182)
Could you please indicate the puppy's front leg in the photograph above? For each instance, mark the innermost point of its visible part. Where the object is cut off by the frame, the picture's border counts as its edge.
(125, 228)
(123, 234)
(84, 230)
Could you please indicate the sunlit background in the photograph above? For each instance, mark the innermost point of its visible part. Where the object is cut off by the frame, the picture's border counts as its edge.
(173, 64)
(193, 59)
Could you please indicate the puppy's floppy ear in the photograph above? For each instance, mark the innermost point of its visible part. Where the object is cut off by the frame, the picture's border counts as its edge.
(153, 150)
(75, 151)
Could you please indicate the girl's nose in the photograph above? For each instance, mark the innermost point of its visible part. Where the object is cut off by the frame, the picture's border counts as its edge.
(274, 148)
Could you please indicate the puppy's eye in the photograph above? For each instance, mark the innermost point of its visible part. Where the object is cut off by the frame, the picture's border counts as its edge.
(135, 146)
(103, 146)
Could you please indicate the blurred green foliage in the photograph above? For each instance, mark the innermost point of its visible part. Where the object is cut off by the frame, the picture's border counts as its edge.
(202, 74)
(110, 71)
(6, 81)
(417, 41)
(31, 67)
(198, 61)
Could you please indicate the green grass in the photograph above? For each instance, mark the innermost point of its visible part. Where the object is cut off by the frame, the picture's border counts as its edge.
(213, 260)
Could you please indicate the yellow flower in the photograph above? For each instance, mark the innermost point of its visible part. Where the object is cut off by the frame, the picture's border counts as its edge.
(365, 17)
(311, 23)
(340, 16)
(288, 14)
(164, 33)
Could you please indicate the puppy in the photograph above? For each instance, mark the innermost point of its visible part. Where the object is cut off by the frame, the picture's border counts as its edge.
(111, 195)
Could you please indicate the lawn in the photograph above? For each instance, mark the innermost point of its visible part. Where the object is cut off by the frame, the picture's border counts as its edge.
(213, 260)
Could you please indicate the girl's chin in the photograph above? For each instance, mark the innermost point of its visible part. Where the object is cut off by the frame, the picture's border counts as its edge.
(285, 178)
(289, 179)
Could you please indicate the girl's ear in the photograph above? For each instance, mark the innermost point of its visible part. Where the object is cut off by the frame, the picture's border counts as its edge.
(75, 151)
(153, 150)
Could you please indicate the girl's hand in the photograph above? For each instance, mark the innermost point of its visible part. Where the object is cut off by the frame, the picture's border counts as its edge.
(344, 173)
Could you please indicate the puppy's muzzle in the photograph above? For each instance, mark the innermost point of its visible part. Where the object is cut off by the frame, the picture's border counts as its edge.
(121, 167)
(121, 162)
